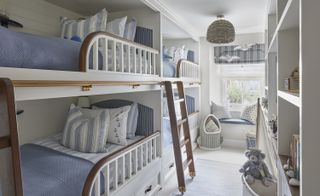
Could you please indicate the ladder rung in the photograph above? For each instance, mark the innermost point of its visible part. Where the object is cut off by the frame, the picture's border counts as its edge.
(186, 163)
(184, 142)
(179, 100)
(182, 121)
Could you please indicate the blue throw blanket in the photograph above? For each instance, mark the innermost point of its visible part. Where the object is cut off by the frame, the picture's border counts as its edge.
(24, 50)
(47, 172)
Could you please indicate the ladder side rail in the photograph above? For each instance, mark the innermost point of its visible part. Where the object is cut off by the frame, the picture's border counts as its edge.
(186, 128)
(9, 126)
(175, 136)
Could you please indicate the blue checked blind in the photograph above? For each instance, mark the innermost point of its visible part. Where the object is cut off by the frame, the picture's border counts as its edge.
(230, 55)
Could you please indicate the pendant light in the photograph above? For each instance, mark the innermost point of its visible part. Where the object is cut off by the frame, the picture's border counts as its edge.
(221, 31)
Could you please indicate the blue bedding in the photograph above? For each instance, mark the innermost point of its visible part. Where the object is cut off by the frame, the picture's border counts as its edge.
(24, 50)
(47, 172)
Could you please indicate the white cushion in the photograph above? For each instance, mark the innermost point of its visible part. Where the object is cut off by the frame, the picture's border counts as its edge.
(86, 133)
(118, 125)
(132, 121)
(117, 26)
(211, 126)
(249, 113)
(82, 28)
(130, 30)
(220, 111)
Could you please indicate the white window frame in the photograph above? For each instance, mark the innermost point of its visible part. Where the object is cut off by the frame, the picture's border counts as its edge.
(239, 107)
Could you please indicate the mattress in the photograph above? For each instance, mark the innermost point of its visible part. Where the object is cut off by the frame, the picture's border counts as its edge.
(54, 144)
(23, 50)
(51, 173)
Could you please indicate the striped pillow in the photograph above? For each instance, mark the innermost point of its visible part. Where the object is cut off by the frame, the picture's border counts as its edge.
(82, 28)
(85, 134)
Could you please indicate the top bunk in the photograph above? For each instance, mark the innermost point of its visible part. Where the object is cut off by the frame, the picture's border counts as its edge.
(117, 45)
(180, 58)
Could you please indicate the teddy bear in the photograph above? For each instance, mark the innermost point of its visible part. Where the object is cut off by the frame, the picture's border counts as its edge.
(256, 168)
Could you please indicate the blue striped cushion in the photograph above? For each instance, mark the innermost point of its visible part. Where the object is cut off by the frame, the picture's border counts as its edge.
(82, 28)
(85, 134)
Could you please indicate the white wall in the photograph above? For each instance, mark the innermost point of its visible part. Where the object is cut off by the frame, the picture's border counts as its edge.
(42, 118)
(211, 80)
(38, 16)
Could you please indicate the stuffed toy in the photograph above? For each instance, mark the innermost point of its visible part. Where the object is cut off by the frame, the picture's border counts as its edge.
(255, 168)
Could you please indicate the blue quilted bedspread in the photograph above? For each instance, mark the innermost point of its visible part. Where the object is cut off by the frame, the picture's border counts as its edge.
(24, 50)
(47, 172)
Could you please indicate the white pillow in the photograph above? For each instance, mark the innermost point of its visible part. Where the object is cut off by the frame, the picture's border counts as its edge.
(86, 134)
(220, 111)
(117, 26)
(118, 125)
(81, 28)
(211, 126)
(249, 113)
(130, 30)
(132, 121)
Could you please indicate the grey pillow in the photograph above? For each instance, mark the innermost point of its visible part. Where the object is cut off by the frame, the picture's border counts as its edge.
(85, 134)
(220, 111)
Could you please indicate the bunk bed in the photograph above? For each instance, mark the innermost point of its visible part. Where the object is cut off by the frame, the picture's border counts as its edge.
(102, 64)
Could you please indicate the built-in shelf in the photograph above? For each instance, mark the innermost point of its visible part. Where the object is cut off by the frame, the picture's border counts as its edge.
(293, 98)
(290, 16)
(273, 45)
(289, 20)
(295, 191)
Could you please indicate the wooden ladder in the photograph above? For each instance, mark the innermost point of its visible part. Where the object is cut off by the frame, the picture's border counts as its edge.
(178, 141)
(10, 169)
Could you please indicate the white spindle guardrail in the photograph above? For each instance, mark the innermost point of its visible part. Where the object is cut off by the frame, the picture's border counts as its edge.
(188, 69)
(140, 155)
(108, 53)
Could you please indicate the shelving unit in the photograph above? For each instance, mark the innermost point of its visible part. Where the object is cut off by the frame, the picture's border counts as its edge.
(292, 39)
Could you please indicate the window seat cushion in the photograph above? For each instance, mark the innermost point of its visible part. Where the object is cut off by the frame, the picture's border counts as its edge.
(237, 121)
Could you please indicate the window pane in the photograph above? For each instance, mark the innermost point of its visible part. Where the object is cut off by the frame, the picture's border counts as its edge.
(241, 92)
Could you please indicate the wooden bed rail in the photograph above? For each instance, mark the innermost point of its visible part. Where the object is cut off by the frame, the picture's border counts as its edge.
(93, 180)
(188, 69)
(127, 56)
(9, 142)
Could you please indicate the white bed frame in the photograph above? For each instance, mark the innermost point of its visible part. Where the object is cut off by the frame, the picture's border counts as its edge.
(143, 155)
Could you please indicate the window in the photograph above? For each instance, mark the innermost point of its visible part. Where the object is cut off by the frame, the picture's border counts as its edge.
(240, 92)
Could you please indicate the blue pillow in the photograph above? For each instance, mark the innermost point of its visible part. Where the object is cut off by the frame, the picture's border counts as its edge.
(76, 38)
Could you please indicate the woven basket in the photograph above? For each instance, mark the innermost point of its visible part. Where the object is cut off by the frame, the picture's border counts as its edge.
(210, 140)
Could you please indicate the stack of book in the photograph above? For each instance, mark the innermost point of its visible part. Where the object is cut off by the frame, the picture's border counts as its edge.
(295, 155)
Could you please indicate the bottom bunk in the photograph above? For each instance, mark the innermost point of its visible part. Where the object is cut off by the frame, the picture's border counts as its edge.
(107, 149)
(49, 168)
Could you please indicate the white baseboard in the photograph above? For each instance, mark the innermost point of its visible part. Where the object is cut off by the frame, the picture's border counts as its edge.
(234, 143)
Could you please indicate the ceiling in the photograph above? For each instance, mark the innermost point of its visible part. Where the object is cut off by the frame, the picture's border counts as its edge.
(248, 16)
(89, 7)
(171, 30)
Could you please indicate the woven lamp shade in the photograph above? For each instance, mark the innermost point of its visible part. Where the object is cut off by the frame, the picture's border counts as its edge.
(220, 31)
